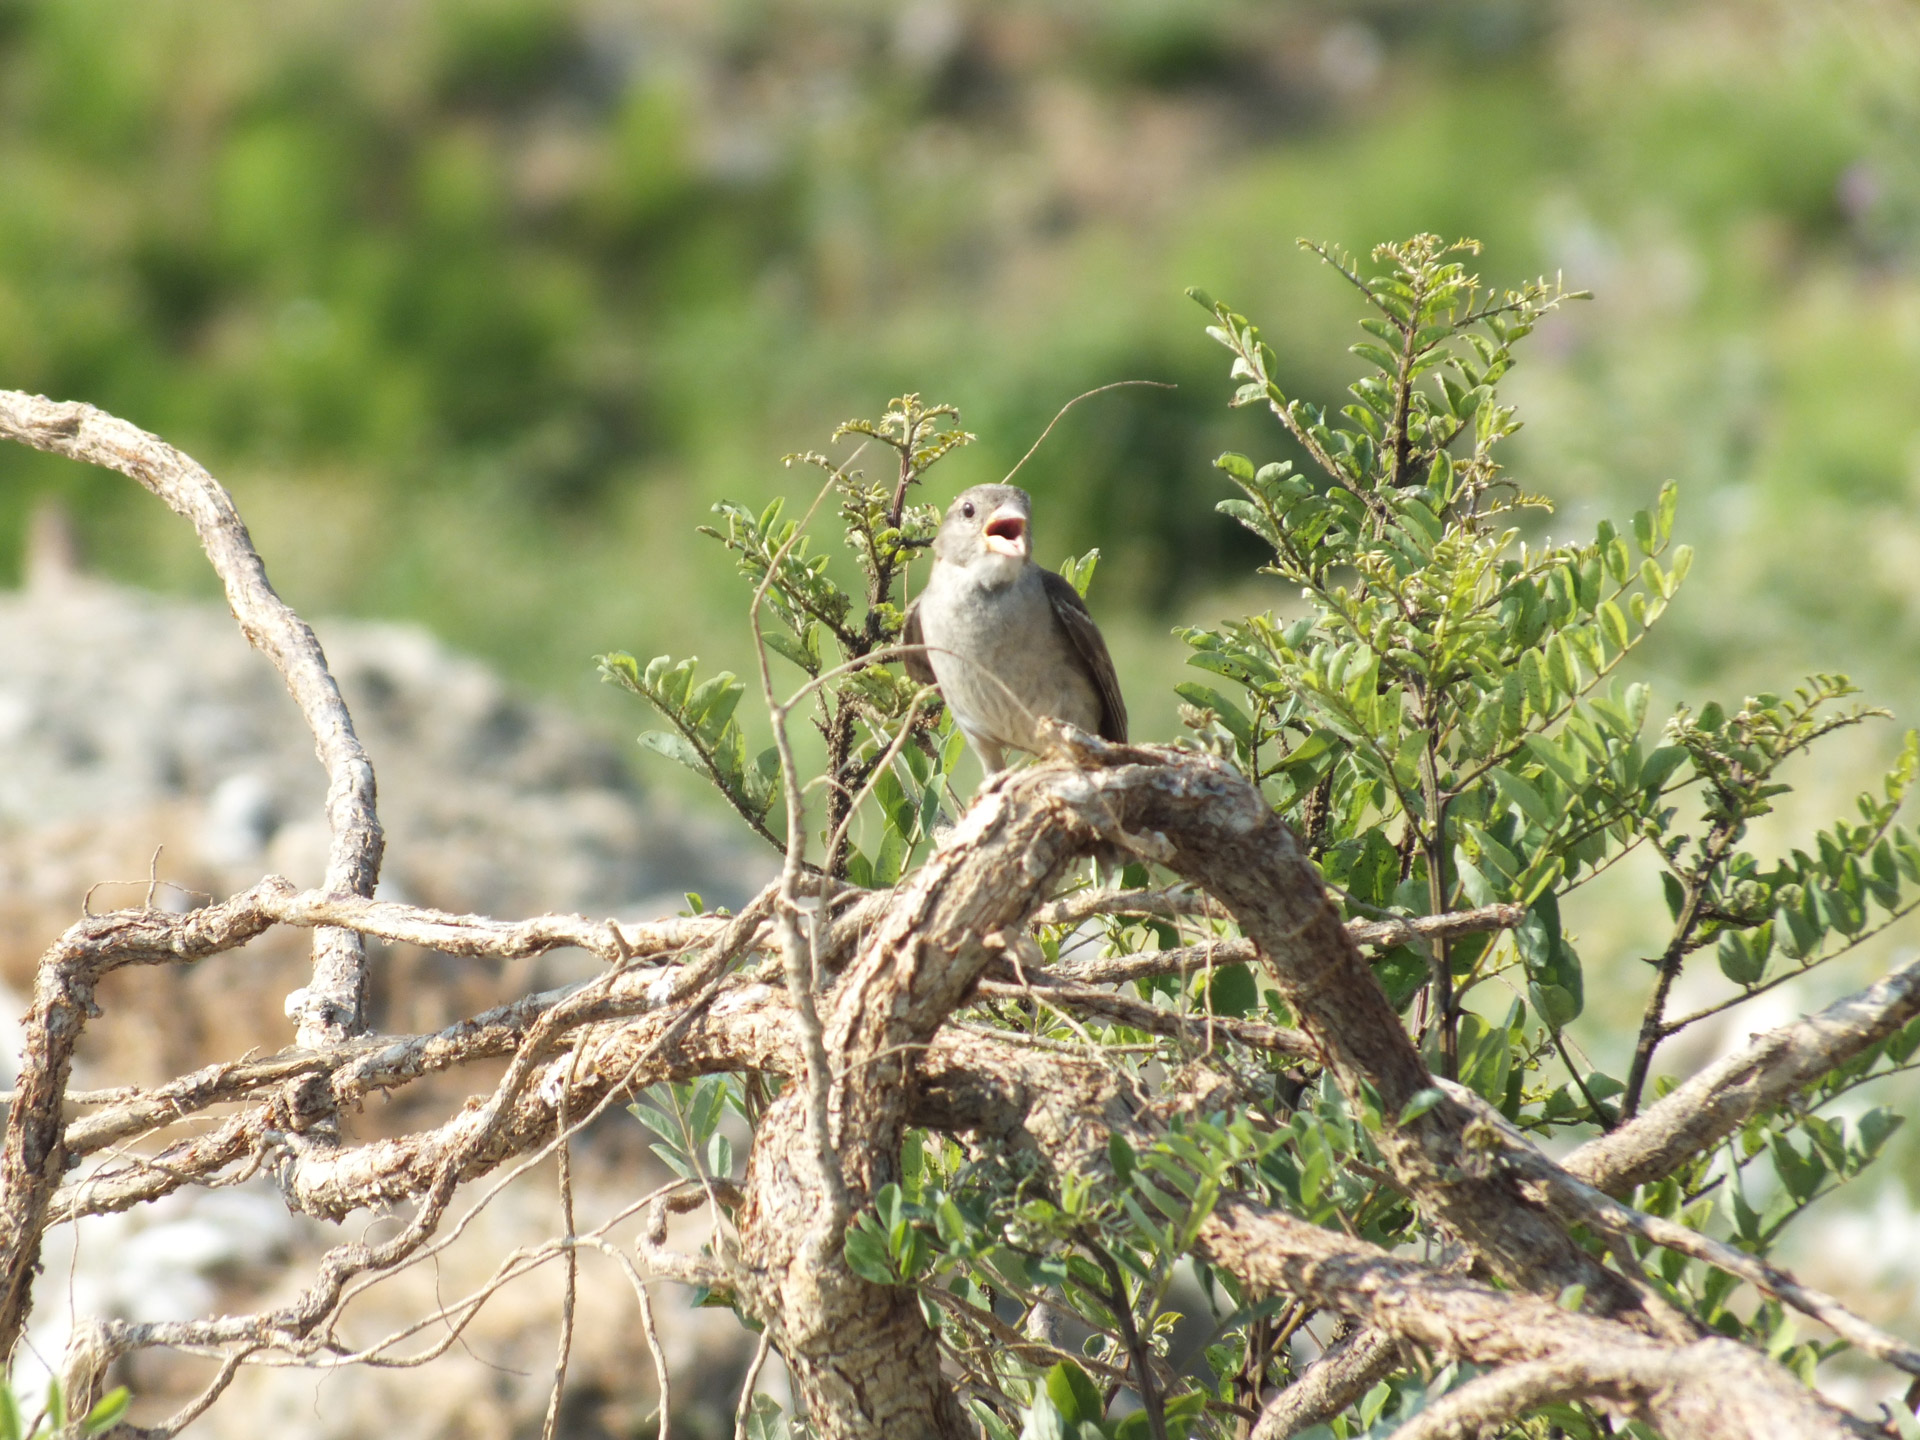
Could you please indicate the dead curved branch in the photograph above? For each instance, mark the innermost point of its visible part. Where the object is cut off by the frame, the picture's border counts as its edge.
(35, 1156)
(333, 1006)
(1706, 1108)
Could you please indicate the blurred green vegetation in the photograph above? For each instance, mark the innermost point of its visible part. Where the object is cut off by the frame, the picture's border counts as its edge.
(478, 304)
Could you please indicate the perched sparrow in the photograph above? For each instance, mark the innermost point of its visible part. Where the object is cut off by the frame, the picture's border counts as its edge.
(1008, 641)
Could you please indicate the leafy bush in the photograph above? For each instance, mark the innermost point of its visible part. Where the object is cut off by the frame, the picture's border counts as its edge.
(1443, 719)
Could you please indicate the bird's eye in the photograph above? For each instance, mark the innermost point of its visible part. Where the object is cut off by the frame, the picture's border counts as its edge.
(967, 510)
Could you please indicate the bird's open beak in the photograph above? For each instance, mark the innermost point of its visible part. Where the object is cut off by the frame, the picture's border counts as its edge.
(1007, 532)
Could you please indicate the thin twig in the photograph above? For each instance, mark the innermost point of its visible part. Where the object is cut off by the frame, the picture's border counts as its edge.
(196, 1407)
(743, 1412)
(660, 1374)
(797, 952)
(1061, 413)
(563, 1158)
(1122, 1309)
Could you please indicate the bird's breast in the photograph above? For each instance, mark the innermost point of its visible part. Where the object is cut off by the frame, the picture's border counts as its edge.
(1002, 658)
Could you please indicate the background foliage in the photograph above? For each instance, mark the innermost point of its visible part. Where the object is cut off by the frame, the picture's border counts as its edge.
(479, 305)
(457, 290)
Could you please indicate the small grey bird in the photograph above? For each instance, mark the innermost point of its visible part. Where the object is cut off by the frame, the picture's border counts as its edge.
(1008, 641)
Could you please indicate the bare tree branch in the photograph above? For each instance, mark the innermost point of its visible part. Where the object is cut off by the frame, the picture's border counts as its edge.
(1586, 1205)
(35, 1156)
(1329, 1385)
(1486, 1403)
(1204, 820)
(479, 936)
(1711, 1389)
(1154, 1019)
(1704, 1109)
(1185, 959)
(334, 1004)
(1720, 1390)
(1697, 1115)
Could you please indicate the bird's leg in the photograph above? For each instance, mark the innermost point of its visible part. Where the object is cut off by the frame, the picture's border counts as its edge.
(993, 755)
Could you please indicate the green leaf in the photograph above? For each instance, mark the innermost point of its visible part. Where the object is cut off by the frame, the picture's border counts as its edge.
(1421, 1102)
(1801, 1174)
(1237, 466)
(1587, 583)
(1738, 962)
(1618, 558)
(711, 704)
(1651, 577)
(1876, 1127)
(866, 1252)
(1533, 679)
(1079, 573)
(1556, 1004)
(1401, 973)
(1311, 749)
(1234, 991)
(673, 682)
(1614, 625)
(1657, 767)
(1560, 667)
(111, 1407)
(1170, 1206)
(674, 747)
(618, 667)
(1675, 892)
(1524, 797)
(991, 1425)
(1803, 931)
(1556, 986)
(1238, 723)
(789, 649)
(766, 769)
(1375, 356)
(1074, 1395)
(1044, 1422)
(1570, 774)
(1485, 1060)
(1474, 881)
(1182, 1415)
(890, 860)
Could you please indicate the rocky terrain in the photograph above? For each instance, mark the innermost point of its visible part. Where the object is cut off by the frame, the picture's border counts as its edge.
(132, 726)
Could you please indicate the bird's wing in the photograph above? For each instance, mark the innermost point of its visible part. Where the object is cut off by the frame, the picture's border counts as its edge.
(919, 667)
(1074, 618)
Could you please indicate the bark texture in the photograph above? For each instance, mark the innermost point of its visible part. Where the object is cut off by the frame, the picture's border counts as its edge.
(1709, 1389)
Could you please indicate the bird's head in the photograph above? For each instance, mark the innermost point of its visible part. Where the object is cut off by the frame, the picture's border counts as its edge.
(988, 529)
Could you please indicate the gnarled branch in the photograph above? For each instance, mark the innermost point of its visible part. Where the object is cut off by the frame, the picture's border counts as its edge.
(334, 1004)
